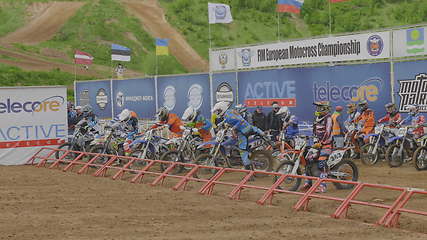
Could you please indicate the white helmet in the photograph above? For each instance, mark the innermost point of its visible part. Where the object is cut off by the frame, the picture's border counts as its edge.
(283, 111)
(124, 115)
(220, 108)
(189, 114)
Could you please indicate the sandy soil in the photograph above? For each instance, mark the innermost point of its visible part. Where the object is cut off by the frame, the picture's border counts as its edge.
(39, 203)
(153, 18)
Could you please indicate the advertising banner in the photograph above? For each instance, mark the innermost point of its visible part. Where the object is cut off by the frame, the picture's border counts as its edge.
(97, 94)
(409, 42)
(411, 84)
(298, 88)
(224, 87)
(176, 93)
(137, 95)
(30, 118)
(330, 49)
(222, 60)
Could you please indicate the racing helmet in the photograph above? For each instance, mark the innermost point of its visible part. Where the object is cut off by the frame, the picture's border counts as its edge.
(363, 105)
(390, 107)
(125, 115)
(351, 108)
(163, 114)
(283, 112)
(220, 108)
(190, 114)
(87, 109)
(413, 109)
(322, 108)
(241, 108)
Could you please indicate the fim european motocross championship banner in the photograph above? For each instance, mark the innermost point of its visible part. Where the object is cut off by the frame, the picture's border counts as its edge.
(137, 95)
(298, 88)
(411, 84)
(329, 49)
(176, 93)
(96, 94)
(30, 118)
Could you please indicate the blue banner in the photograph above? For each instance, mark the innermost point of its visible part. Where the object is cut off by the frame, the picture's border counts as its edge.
(224, 87)
(410, 84)
(178, 92)
(298, 88)
(97, 94)
(137, 95)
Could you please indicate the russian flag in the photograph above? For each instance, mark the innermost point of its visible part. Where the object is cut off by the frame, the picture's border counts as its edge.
(293, 6)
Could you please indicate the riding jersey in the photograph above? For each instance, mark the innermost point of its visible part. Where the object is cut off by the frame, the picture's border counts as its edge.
(322, 129)
(237, 122)
(417, 120)
(392, 120)
(367, 121)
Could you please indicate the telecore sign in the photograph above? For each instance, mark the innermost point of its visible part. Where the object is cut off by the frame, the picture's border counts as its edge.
(367, 90)
(49, 104)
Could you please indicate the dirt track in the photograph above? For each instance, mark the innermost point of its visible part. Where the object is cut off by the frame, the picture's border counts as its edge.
(38, 203)
(153, 18)
(48, 20)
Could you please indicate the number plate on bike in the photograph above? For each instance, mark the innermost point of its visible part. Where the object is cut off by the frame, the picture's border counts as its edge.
(299, 143)
(335, 157)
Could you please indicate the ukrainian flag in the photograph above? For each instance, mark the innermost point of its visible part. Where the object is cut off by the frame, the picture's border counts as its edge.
(162, 46)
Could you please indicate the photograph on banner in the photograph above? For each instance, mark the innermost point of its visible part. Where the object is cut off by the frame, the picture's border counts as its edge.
(224, 87)
(409, 42)
(365, 46)
(298, 88)
(411, 85)
(97, 94)
(31, 118)
(137, 95)
(176, 93)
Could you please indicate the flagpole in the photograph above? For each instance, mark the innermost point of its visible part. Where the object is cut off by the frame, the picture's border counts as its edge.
(75, 71)
(157, 66)
(210, 40)
(330, 18)
(278, 26)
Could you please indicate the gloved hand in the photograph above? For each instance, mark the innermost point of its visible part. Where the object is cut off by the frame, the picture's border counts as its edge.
(317, 145)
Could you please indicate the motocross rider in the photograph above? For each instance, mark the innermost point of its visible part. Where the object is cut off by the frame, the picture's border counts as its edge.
(290, 122)
(171, 120)
(415, 119)
(199, 123)
(392, 118)
(243, 111)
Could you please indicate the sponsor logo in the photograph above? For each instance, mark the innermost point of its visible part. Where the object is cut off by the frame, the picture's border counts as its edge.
(84, 98)
(169, 99)
(413, 92)
(220, 12)
(223, 59)
(195, 96)
(265, 93)
(375, 45)
(246, 55)
(415, 40)
(368, 90)
(224, 93)
(51, 104)
(121, 99)
(101, 98)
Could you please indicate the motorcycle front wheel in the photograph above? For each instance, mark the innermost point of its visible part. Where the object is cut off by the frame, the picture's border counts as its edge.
(172, 156)
(66, 147)
(366, 155)
(208, 160)
(261, 160)
(393, 157)
(345, 170)
(101, 160)
(290, 184)
(420, 158)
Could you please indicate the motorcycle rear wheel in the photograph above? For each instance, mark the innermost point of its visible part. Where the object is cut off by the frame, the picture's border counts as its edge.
(172, 156)
(290, 184)
(366, 155)
(350, 171)
(393, 158)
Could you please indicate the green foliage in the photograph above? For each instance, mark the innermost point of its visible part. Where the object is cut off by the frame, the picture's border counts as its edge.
(97, 25)
(12, 16)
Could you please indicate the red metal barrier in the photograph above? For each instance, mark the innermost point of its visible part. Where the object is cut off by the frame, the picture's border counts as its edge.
(87, 160)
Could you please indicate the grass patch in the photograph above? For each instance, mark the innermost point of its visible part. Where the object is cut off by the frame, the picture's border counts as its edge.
(12, 16)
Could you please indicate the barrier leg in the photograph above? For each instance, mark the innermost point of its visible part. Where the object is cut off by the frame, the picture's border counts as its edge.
(208, 187)
(141, 173)
(393, 218)
(183, 182)
(390, 211)
(304, 200)
(31, 160)
(235, 193)
(119, 174)
(101, 171)
(343, 208)
(86, 166)
(61, 159)
(44, 159)
(270, 192)
(164, 174)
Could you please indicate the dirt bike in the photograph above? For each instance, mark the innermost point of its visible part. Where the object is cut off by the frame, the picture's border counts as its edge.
(110, 143)
(420, 154)
(186, 150)
(401, 148)
(225, 153)
(80, 140)
(303, 160)
(372, 151)
(148, 146)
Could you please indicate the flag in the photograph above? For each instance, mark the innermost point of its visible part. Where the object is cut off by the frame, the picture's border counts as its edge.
(162, 46)
(82, 58)
(415, 40)
(120, 53)
(335, 1)
(293, 6)
(219, 13)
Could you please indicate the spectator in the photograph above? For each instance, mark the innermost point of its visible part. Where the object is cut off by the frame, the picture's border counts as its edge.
(274, 122)
(259, 118)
